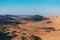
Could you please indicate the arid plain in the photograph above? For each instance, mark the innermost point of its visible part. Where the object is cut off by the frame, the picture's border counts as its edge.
(33, 30)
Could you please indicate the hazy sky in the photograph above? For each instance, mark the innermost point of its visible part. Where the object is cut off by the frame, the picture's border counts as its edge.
(26, 7)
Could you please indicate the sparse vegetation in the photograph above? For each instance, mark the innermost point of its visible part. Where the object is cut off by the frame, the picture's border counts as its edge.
(35, 30)
(35, 38)
(24, 29)
(17, 29)
(49, 29)
(38, 28)
(49, 22)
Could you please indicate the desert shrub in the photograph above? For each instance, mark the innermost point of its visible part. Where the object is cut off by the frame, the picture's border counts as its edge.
(4, 28)
(13, 35)
(7, 33)
(14, 31)
(23, 33)
(24, 38)
(25, 29)
(49, 29)
(36, 30)
(35, 38)
(49, 22)
(18, 27)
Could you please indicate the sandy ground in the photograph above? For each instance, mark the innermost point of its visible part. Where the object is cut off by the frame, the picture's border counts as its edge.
(34, 28)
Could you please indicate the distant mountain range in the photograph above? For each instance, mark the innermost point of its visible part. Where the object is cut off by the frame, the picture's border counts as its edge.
(14, 18)
(22, 17)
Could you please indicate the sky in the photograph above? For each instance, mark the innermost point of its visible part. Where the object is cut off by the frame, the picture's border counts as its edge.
(30, 7)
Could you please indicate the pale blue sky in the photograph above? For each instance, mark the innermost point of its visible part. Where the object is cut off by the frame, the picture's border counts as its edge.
(26, 7)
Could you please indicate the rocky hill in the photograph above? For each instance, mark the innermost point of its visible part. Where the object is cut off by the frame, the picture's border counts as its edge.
(40, 29)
